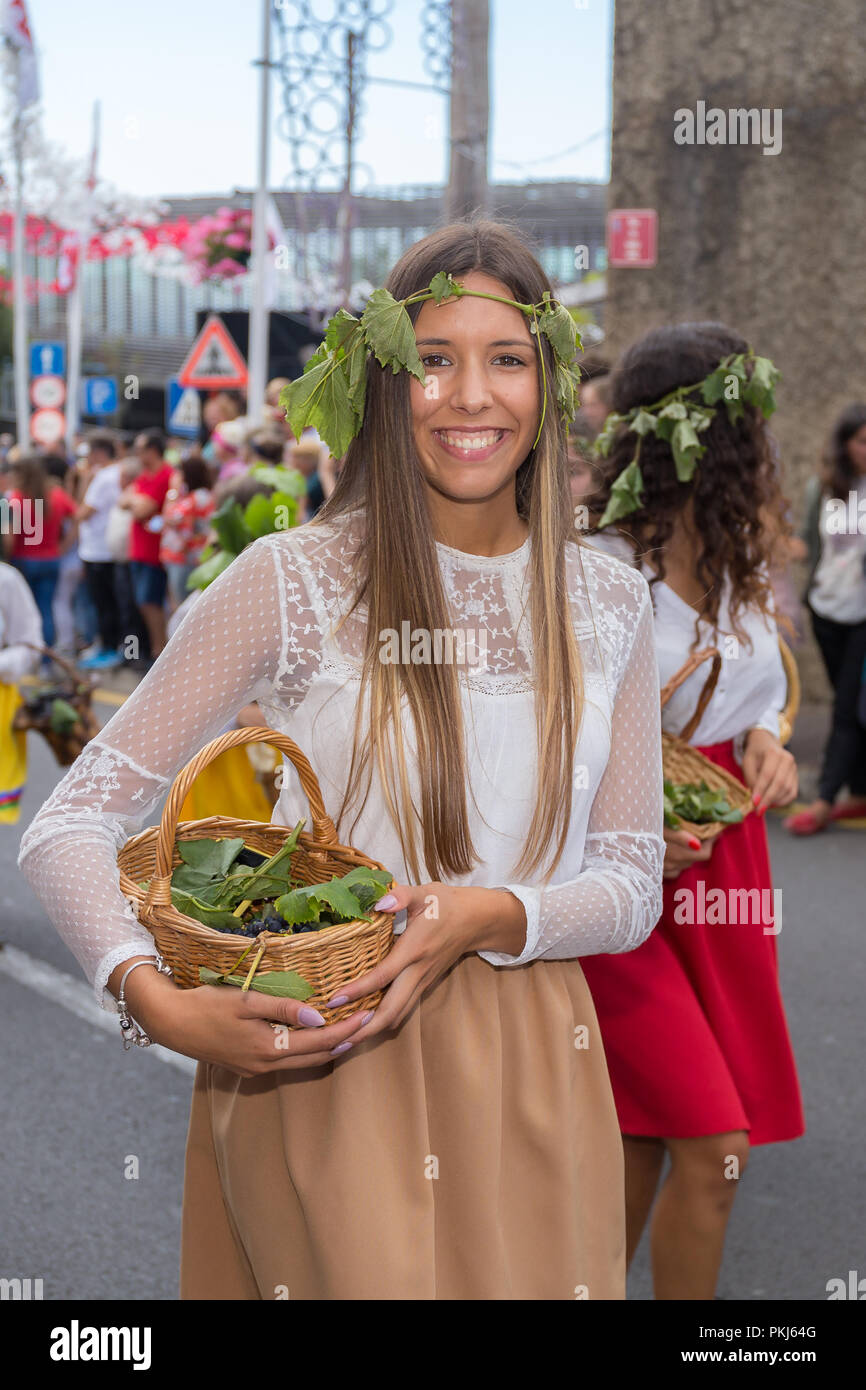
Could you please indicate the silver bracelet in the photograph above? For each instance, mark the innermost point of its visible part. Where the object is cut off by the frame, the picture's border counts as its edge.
(131, 1033)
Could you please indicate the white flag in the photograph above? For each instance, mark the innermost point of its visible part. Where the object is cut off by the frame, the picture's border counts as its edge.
(17, 33)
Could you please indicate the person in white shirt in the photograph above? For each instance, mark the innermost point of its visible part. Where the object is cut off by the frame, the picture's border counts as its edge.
(101, 495)
(835, 535)
(693, 1021)
(20, 632)
(514, 794)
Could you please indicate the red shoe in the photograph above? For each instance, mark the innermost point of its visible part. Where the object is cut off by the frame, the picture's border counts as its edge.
(804, 823)
(853, 809)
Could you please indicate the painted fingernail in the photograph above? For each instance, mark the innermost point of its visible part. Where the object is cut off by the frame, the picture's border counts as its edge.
(386, 904)
(310, 1018)
(756, 799)
(367, 1016)
(694, 843)
(337, 1000)
(341, 1047)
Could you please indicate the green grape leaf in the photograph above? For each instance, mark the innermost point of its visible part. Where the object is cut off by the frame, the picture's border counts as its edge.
(203, 912)
(390, 334)
(210, 856)
(341, 328)
(289, 480)
(675, 410)
(644, 422)
(760, 388)
(443, 286)
(566, 386)
(687, 449)
(625, 495)
(281, 984)
(232, 532)
(604, 440)
(355, 364)
(560, 330)
(713, 386)
(321, 398)
(63, 716)
(211, 569)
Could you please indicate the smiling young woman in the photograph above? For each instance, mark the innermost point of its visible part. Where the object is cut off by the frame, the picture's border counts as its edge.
(461, 1142)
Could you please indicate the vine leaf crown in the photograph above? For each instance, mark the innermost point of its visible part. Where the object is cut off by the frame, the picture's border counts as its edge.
(330, 394)
(679, 420)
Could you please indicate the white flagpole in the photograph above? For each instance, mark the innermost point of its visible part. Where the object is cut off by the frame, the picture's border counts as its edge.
(75, 301)
(258, 336)
(20, 345)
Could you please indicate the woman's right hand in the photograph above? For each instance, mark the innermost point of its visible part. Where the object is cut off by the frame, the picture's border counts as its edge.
(682, 850)
(230, 1027)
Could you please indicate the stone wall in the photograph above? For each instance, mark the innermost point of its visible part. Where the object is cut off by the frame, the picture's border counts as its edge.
(773, 244)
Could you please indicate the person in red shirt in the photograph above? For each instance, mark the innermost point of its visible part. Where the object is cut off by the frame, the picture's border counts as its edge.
(144, 498)
(41, 528)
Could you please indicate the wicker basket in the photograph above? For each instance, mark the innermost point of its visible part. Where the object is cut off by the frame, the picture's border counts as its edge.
(683, 763)
(326, 959)
(78, 692)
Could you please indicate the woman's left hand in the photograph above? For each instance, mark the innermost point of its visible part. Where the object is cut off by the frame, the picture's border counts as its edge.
(769, 770)
(442, 924)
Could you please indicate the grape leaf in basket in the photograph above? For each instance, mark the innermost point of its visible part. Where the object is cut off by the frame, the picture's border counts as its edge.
(202, 911)
(306, 904)
(368, 884)
(271, 877)
(282, 984)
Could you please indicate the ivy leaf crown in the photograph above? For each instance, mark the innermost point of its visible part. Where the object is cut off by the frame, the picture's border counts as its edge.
(679, 421)
(330, 394)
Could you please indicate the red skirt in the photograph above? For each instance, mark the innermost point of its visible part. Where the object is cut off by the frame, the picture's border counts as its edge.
(693, 1023)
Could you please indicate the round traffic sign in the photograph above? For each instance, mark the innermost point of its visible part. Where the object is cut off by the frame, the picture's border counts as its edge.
(48, 426)
(48, 392)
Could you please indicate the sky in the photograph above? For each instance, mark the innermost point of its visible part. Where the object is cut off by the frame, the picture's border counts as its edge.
(178, 93)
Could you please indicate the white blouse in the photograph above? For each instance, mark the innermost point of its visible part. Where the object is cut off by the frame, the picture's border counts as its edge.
(838, 588)
(752, 687)
(19, 623)
(266, 631)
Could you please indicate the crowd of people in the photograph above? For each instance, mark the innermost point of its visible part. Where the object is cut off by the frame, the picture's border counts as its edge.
(121, 522)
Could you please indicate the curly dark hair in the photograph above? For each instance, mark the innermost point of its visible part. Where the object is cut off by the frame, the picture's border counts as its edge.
(738, 509)
(838, 474)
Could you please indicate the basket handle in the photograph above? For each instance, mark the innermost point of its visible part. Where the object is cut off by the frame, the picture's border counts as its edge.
(324, 832)
(694, 661)
(82, 683)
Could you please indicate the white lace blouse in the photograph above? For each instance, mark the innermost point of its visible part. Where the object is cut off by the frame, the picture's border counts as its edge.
(265, 631)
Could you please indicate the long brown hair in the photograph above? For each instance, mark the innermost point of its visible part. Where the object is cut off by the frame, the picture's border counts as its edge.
(399, 579)
(738, 508)
(31, 478)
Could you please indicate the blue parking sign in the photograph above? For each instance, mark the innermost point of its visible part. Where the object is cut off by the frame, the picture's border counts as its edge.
(47, 359)
(100, 395)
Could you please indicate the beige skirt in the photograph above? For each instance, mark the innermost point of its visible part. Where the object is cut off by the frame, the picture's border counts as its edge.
(473, 1154)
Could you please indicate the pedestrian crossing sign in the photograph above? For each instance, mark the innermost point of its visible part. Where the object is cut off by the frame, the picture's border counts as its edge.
(214, 361)
(183, 410)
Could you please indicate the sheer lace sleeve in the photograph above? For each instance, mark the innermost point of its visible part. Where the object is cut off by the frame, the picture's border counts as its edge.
(616, 899)
(251, 632)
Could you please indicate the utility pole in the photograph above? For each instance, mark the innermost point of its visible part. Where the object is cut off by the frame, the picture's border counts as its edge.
(470, 108)
(259, 308)
(344, 217)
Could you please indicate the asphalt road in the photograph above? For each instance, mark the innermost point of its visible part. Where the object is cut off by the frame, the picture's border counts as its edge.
(75, 1109)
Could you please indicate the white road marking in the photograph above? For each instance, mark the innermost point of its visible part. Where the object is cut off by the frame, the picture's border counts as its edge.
(78, 998)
